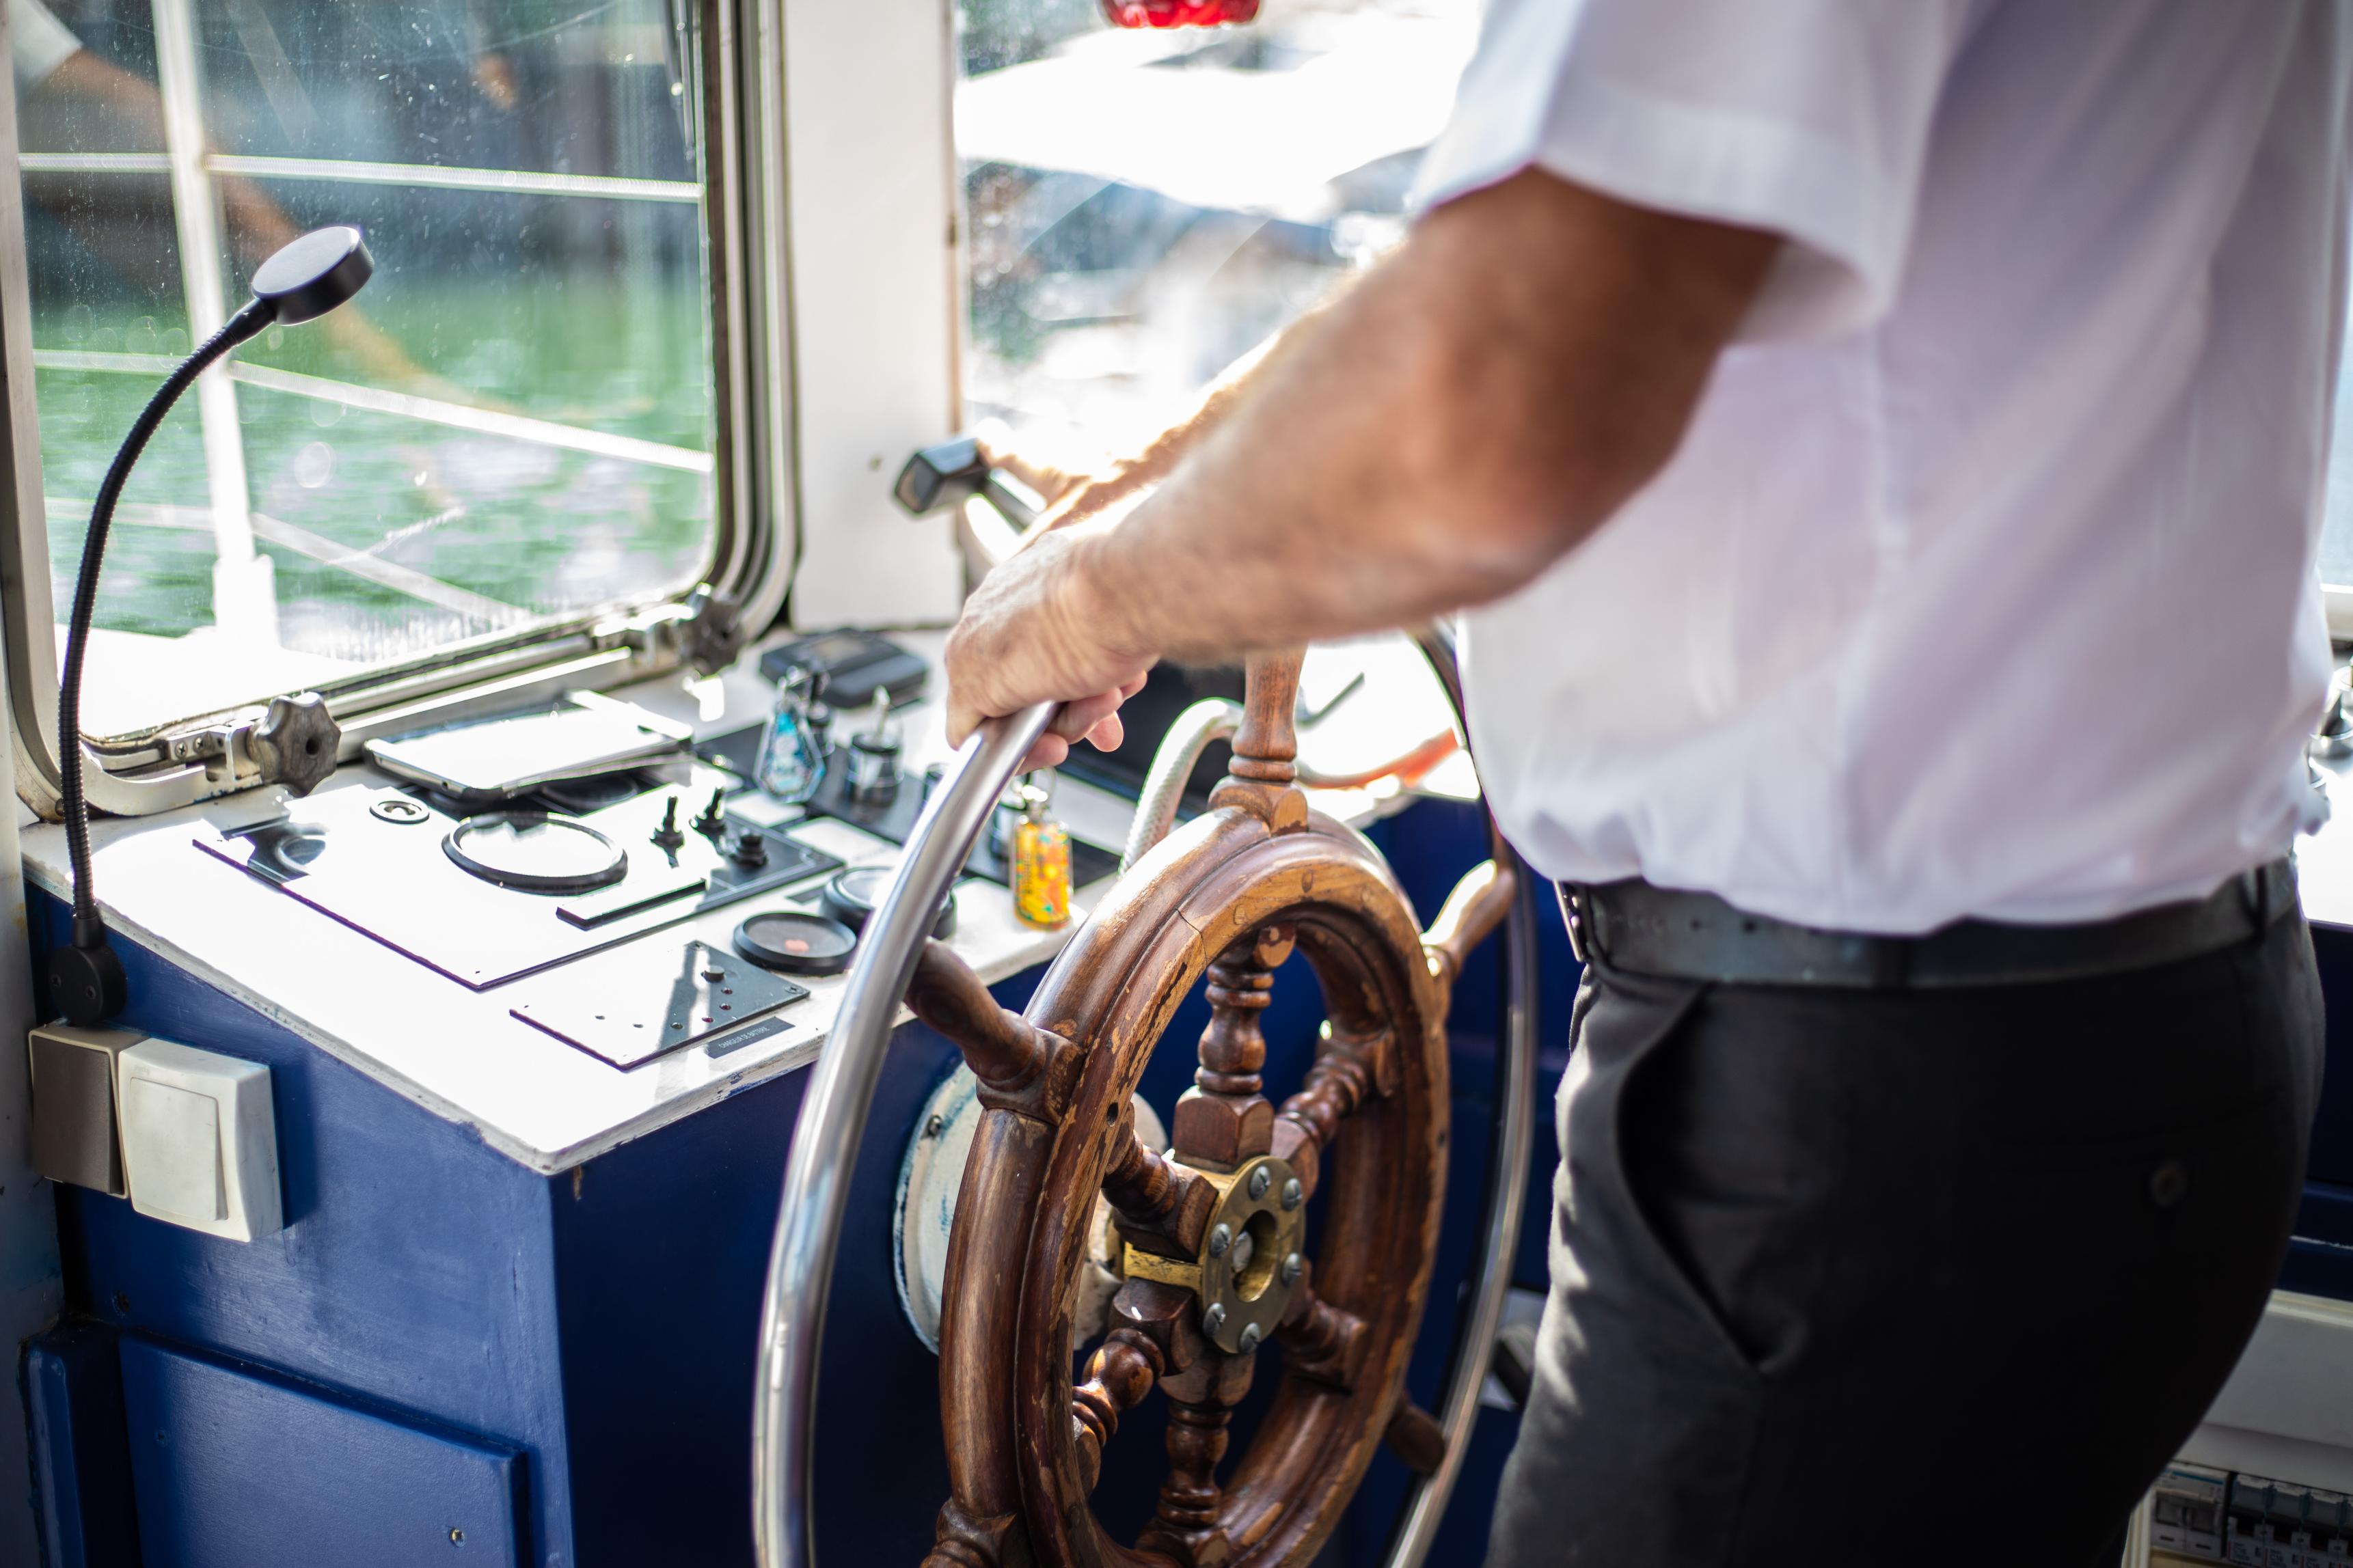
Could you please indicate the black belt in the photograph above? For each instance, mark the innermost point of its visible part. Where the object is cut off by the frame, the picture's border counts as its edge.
(1644, 929)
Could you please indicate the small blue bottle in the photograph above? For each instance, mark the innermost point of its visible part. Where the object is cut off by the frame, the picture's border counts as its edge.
(792, 755)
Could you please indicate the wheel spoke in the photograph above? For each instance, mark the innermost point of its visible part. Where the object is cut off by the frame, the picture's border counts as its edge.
(1321, 1342)
(1118, 1374)
(1155, 1337)
(1349, 1071)
(1223, 1119)
(1162, 1207)
(1414, 1435)
(1015, 1061)
(1476, 907)
(1200, 1408)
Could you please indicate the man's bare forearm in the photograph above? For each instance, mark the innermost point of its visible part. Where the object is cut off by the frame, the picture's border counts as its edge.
(1436, 438)
(1473, 409)
(1147, 466)
(1216, 400)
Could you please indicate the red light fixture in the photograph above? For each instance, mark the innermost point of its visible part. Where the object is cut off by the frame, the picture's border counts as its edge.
(1179, 13)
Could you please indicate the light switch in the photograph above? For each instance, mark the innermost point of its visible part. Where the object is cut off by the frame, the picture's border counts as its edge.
(74, 1132)
(177, 1135)
(199, 1140)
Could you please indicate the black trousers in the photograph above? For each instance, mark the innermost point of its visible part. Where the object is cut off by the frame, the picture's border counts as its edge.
(1903, 1277)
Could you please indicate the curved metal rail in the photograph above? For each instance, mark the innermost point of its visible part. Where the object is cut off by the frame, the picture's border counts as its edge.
(833, 1122)
(1211, 719)
(1514, 1129)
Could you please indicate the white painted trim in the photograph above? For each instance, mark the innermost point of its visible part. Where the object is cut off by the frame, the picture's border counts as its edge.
(380, 400)
(871, 189)
(244, 601)
(2288, 1411)
(2339, 598)
(32, 1288)
(428, 176)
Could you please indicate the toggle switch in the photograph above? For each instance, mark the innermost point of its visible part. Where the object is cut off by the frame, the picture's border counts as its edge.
(199, 1140)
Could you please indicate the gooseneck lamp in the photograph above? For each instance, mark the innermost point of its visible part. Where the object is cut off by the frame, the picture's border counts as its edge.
(307, 278)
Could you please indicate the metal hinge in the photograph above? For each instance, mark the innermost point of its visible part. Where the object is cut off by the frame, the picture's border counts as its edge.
(292, 742)
(705, 628)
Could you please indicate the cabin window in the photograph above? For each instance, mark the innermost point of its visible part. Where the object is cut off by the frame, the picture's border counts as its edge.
(513, 425)
(1142, 207)
(2337, 528)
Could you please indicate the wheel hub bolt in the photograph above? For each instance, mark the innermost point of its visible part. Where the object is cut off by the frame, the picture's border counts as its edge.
(1244, 1248)
(1214, 1318)
(1260, 1180)
(1292, 1193)
(1219, 1239)
(1251, 1334)
(1290, 1268)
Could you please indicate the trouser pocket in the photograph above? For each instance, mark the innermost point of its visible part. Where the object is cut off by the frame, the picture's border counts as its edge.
(1610, 1242)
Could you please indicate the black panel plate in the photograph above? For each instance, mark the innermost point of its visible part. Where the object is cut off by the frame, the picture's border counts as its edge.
(895, 819)
(633, 1005)
(392, 883)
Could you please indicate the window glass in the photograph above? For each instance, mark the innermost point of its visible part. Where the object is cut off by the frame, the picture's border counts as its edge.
(1142, 207)
(512, 424)
(2336, 529)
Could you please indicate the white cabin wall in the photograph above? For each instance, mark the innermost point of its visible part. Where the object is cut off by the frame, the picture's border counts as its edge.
(871, 174)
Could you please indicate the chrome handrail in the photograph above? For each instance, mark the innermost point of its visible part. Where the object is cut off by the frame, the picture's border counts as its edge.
(1515, 1073)
(832, 1123)
(1211, 719)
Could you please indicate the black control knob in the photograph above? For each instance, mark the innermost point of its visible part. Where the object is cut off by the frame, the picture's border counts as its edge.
(750, 850)
(667, 836)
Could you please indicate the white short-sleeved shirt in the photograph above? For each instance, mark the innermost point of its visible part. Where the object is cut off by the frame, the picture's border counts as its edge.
(38, 42)
(1983, 583)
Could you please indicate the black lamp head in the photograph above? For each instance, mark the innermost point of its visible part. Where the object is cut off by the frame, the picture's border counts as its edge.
(310, 276)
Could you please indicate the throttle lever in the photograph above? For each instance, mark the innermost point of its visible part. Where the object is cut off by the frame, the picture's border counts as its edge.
(948, 473)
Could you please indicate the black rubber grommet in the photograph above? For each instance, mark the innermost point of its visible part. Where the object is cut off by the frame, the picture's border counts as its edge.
(796, 943)
(851, 895)
(565, 855)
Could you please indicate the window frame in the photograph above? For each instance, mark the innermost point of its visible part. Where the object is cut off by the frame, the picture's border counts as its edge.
(737, 76)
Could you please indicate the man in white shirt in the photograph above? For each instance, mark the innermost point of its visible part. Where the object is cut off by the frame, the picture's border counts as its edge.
(1880, 443)
(38, 43)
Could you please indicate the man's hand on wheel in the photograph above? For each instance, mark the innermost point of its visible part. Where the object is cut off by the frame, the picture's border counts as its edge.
(1029, 634)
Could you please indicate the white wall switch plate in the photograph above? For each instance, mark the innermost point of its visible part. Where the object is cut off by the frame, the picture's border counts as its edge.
(199, 1140)
(75, 1129)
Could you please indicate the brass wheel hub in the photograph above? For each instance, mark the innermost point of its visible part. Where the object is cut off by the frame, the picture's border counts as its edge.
(1253, 1254)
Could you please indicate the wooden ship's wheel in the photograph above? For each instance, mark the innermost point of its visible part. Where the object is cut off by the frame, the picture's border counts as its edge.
(1212, 1240)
